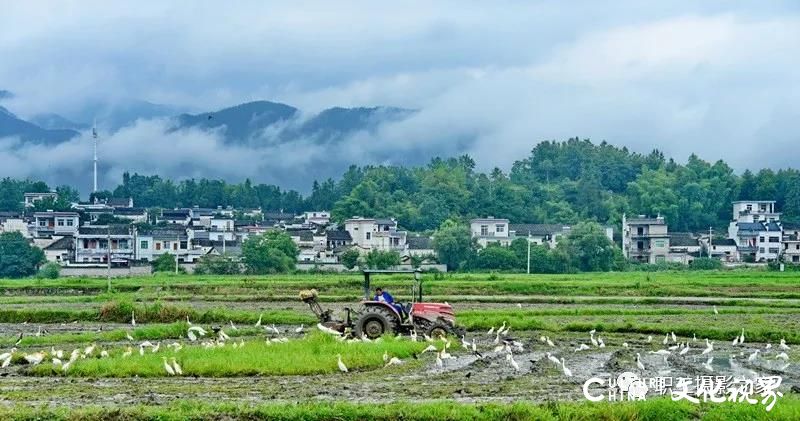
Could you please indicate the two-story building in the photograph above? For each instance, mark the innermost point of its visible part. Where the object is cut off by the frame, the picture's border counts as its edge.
(176, 216)
(221, 229)
(684, 247)
(96, 244)
(46, 224)
(319, 218)
(490, 230)
(376, 234)
(645, 239)
(757, 241)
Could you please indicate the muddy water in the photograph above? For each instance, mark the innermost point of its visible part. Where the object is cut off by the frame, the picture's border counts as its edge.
(466, 378)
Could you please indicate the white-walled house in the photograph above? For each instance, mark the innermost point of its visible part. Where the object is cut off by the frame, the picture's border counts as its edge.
(376, 234)
(490, 230)
(757, 241)
(317, 217)
(220, 229)
(755, 211)
(55, 223)
(94, 244)
(645, 239)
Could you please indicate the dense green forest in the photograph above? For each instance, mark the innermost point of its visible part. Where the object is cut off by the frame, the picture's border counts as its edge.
(559, 182)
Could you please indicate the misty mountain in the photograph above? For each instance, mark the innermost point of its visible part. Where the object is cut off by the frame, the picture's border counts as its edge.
(53, 121)
(13, 126)
(4, 94)
(114, 115)
(240, 122)
(283, 123)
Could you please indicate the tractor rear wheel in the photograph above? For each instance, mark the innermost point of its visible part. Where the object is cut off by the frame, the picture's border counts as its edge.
(375, 321)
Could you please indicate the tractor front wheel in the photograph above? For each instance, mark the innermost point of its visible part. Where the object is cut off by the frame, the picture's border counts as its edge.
(374, 322)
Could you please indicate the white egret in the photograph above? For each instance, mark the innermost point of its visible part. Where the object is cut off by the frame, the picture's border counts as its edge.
(258, 323)
(735, 340)
(567, 371)
(707, 364)
(8, 354)
(89, 350)
(582, 347)
(649, 338)
(394, 361)
(591, 338)
(200, 331)
(497, 338)
(103, 354)
(342, 367)
(715, 310)
(553, 359)
(674, 338)
(299, 329)
(782, 356)
(187, 320)
(233, 326)
(602, 344)
(741, 338)
(133, 318)
(439, 362)
(513, 363)
(192, 337)
(694, 337)
(491, 331)
(57, 362)
(685, 350)
(128, 336)
(549, 342)
(66, 366)
(753, 356)
(769, 346)
(385, 356)
(709, 347)
(327, 330)
(663, 352)
(666, 339)
(127, 352)
(156, 348)
(168, 367)
(429, 348)
(783, 345)
(34, 358)
(625, 344)
(176, 367)
(275, 329)
(413, 335)
(639, 362)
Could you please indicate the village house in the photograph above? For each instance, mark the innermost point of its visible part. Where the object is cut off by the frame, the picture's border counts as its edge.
(175, 216)
(318, 218)
(60, 251)
(47, 224)
(95, 244)
(490, 230)
(684, 247)
(376, 234)
(645, 239)
(721, 248)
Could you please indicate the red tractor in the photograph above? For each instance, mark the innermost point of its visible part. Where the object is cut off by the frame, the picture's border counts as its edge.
(376, 318)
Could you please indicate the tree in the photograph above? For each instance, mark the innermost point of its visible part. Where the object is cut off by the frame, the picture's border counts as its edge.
(453, 244)
(349, 258)
(215, 264)
(273, 252)
(705, 263)
(378, 259)
(18, 257)
(497, 257)
(164, 263)
(49, 271)
(588, 248)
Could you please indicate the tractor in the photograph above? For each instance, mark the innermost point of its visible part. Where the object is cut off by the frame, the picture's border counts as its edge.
(376, 318)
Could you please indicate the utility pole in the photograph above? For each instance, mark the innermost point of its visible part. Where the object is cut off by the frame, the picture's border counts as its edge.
(108, 256)
(709, 241)
(529, 253)
(177, 250)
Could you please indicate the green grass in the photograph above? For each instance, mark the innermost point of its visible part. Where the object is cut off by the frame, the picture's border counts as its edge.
(787, 408)
(120, 312)
(716, 284)
(314, 354)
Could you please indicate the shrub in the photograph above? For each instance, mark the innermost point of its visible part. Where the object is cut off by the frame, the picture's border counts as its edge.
(705, 263)
(49, 271)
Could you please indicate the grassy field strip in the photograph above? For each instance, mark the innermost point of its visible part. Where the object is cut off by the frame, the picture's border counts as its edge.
(787, 408)
(314, 354)
(149, 332)
(663, 284)
(722, 327)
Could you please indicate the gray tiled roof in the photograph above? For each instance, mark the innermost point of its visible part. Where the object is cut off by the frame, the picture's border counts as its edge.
(420, 243)
(683, 239)
(522, 230)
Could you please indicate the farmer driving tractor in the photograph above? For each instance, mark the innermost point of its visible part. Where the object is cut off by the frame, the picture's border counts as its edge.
(385, 297)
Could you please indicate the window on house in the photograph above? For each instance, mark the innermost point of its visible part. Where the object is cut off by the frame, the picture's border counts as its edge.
(795, 259)
(158, 246)
(749, 207)
(640, 245)
(774, 240)
(797, 246)
(369, 235)
(761, 249)
(183, 245)
(174, 246)
(70, 222)
(774, 250)
(60, 223)
(42, 223)
(660, 243)
(484, 230)
(640, 231)
(660, 258)
(144, 245)
(500, 228)
(760, 239)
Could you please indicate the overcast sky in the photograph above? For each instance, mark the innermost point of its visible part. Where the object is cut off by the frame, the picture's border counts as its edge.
(491, 78)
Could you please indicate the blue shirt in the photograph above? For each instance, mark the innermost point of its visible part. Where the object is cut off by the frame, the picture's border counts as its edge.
(385, 297)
